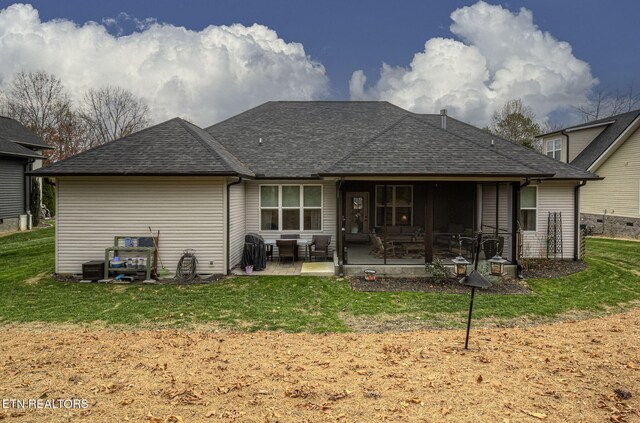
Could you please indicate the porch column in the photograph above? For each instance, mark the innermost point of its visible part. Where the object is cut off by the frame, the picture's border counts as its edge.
(428, 227)
(340, 226)
(515, 207)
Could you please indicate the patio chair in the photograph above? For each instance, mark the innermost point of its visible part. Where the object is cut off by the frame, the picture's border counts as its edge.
(319, 246)
(287, 249)
(378, 248)
(292, 236)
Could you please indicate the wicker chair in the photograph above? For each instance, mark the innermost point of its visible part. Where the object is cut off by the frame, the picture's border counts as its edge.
(287, 248)
(292, 236)
(379, 250)
(319, 246)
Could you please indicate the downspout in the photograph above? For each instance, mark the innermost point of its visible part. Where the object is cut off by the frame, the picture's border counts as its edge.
(576, 213)
(28, 166)
(516, 212)
(229, 185)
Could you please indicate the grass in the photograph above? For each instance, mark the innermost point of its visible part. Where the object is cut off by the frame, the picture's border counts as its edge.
(293, 304)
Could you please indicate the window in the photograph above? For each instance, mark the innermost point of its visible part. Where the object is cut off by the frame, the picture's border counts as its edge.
(554, 149)
(291, 207)
(528, 208)
(394, 205)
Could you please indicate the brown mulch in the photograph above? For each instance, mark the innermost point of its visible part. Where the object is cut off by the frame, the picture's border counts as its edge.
(451, 286)
(164, 281)
(552, 268)
(574, 371)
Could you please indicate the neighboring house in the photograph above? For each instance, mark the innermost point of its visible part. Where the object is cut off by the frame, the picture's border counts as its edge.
(609, 147)
(391, 187)
(20, 152)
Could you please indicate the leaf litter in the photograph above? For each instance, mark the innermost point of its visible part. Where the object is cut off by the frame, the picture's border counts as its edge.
(571, 371)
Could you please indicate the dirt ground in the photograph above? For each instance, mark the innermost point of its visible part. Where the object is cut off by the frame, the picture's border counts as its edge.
(584, 371)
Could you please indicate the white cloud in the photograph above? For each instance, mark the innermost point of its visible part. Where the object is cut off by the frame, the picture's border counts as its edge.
(202, 75)
(498, 56)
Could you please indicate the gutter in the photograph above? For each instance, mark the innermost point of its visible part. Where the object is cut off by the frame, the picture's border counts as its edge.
(576, 213)
(228, 258)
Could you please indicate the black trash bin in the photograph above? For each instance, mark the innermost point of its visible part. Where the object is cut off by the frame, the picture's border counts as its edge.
(254, 253)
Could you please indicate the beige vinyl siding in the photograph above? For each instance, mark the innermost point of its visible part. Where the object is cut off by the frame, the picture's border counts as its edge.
(504, 216)
(252, 209)
(237, 227)
(579, 140)
(619, 192)
(552, 196)
(188, 211)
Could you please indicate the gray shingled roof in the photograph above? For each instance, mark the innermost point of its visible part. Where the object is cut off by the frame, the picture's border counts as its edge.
(425, 149)
(300, 139)
(8, 148)
(603, 141)
(174, 147)
(308, 139)
(304, 139)
(525, 156)
(12, 130)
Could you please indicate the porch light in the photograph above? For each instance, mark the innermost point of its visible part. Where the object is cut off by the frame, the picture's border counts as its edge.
(460, 266)
(497, 265)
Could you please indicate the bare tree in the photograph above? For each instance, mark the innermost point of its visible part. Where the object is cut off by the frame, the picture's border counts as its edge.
(38, 100)
(603, 104)
(515, 122)
(68, 138)
(112, 112)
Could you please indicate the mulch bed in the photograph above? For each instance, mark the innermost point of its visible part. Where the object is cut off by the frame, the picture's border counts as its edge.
(552, 268)
(451, 286)
(164, 281)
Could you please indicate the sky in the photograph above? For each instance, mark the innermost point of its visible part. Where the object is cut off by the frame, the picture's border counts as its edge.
(208, 60)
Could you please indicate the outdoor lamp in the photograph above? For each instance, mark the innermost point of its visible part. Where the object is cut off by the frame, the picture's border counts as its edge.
(497, 265)
(460, 266)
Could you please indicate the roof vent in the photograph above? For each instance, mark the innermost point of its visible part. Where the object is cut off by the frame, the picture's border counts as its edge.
(492, 142)
(443, 118)
(260, 141)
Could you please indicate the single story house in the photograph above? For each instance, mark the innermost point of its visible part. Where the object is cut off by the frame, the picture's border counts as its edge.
(610, 147)
(390, 186)
(20, 152)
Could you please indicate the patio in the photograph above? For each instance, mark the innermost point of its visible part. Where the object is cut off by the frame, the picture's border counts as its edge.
(288, 268)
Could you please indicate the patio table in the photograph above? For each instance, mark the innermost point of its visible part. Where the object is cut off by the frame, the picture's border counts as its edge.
(301, 243)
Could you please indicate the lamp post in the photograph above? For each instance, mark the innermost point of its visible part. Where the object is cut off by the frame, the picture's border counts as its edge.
(475, 278)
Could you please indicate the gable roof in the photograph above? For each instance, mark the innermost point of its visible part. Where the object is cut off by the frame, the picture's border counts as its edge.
(14, 131)
(596, 148)
(174, 147)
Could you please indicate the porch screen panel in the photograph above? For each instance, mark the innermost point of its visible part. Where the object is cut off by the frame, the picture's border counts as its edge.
(394, 205)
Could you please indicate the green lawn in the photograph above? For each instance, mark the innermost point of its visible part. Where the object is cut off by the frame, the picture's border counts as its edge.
(28, 294)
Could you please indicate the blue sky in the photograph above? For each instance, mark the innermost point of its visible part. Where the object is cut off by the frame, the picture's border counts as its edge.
(347, 36)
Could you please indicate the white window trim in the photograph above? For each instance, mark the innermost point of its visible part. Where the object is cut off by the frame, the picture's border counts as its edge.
(553, 142)
(301, 207)
(532, 208)
(393, 204)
